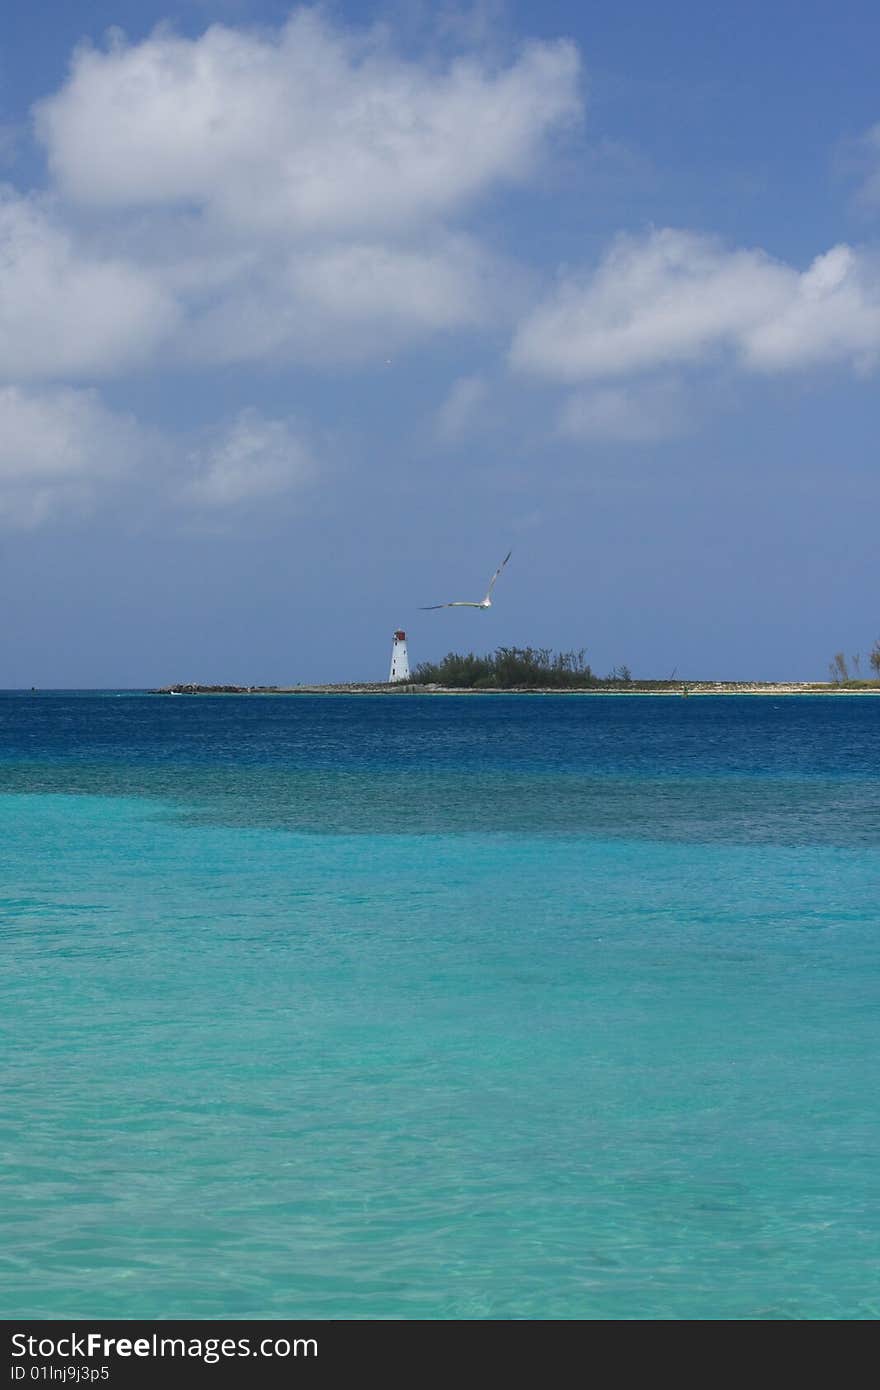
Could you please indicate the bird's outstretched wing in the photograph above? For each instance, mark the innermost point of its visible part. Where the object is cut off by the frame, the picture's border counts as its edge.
(497, 572)
(460, 603)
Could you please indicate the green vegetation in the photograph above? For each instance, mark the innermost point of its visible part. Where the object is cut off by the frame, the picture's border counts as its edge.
(518, 668)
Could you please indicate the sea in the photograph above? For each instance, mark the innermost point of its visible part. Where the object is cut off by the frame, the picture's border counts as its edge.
(482, 1007)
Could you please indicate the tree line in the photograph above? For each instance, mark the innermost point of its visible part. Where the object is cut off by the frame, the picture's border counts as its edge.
(524, 668)
(517, 668)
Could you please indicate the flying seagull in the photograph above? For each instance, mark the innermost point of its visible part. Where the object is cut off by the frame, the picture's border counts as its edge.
(466, 603)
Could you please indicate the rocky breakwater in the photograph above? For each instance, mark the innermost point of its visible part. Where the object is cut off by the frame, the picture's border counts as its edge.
(189, 689)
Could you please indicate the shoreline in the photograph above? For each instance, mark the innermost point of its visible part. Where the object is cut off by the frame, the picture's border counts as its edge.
(677, 689)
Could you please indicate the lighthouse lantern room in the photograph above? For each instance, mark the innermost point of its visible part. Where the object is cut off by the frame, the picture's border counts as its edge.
(399, 658)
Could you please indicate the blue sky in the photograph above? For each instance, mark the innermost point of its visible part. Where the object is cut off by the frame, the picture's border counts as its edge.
(308, 315)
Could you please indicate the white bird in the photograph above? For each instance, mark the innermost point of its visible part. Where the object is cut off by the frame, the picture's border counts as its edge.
(467, 603)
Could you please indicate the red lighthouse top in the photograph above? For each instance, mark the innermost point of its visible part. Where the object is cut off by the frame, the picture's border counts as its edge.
(400, 636)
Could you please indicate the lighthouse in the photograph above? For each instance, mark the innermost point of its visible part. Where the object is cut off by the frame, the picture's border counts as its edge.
(399, 658)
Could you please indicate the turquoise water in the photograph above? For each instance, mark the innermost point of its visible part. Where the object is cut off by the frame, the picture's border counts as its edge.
(390, 1007)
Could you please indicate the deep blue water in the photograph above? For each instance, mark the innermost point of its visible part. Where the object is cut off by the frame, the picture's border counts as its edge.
(494, 1007)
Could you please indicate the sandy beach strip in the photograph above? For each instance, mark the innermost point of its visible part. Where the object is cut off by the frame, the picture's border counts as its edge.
(677, 689)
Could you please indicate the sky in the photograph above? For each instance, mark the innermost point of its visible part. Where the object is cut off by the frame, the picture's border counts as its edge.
(309, 314)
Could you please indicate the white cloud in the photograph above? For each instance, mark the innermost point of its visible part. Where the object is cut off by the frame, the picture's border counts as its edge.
(436, 287)
(63, 453)
(255, 458)
(58, 449)
(675, 297)
(64, 312)
(636, 413)
(353, 302)
(833, 316)
(306, 130)
(665, 298)
(269, 194)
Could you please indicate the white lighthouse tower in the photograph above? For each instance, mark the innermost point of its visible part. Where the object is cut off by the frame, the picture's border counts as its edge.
(399, 658)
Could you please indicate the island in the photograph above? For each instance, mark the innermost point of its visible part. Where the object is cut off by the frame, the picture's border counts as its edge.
(540, 671)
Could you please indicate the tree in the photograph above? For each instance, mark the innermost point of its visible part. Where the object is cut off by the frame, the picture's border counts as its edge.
(874, 658)
(839, 669)
(510, 668)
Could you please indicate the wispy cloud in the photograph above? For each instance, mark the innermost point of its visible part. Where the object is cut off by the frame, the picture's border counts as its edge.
(638, 412)
(866, 154)
(65, 454)
(462, 406)
(60, 450)
(251, 460)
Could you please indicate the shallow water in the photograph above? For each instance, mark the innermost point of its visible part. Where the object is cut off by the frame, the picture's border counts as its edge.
(501, 1007)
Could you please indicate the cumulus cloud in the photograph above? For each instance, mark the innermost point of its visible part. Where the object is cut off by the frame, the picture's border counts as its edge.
(273, 193)
(253, 459)
(306, 130)
(669, 297)
(832, 315)
(635, 413)
(64, 312)
(675, 297)
(58, 449)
